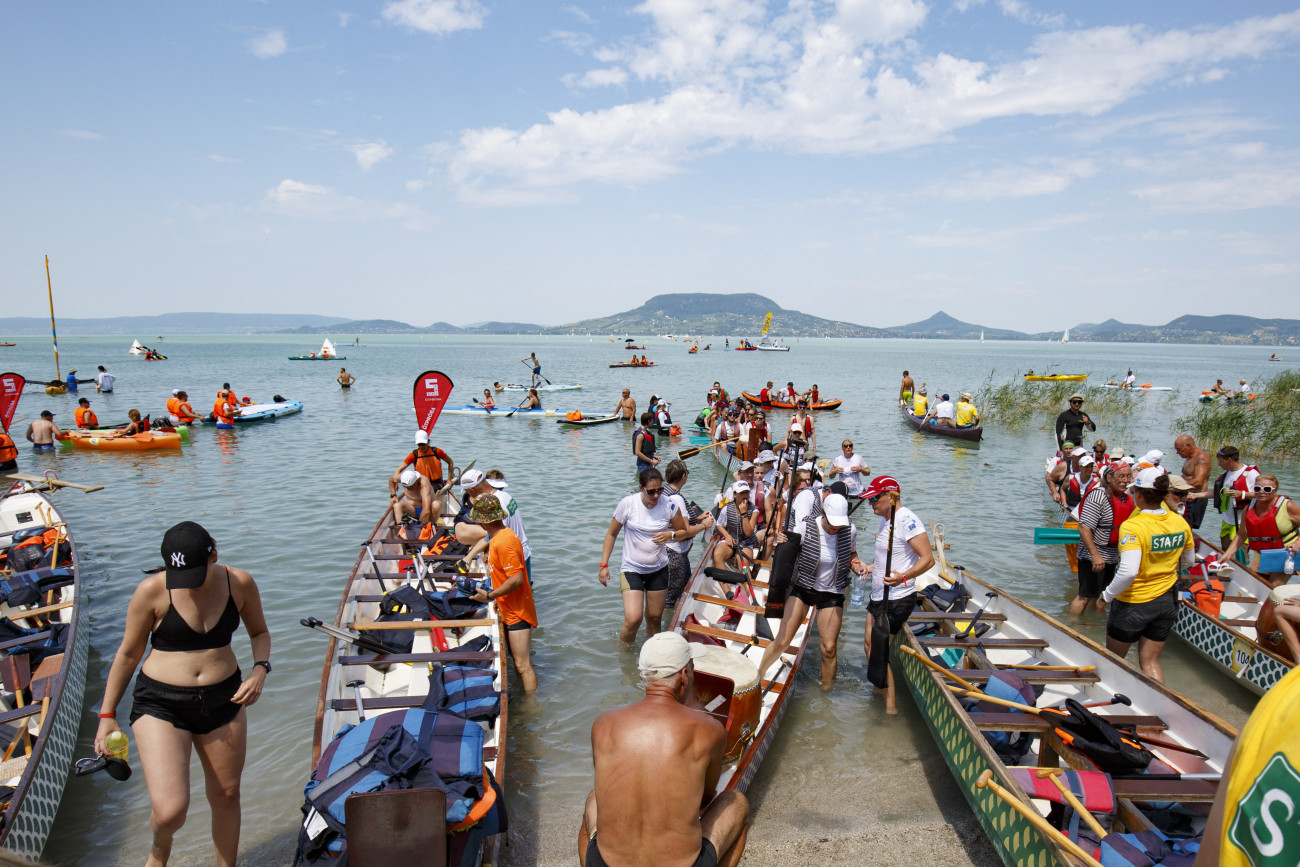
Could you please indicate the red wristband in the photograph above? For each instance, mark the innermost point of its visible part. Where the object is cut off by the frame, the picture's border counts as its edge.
(604, 565)
(112, 715)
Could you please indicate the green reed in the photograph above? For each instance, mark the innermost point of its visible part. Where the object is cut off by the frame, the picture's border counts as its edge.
(1267, 428)
(1016, 404)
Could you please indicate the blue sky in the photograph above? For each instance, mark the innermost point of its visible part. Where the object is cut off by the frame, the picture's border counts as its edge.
(1029, 165)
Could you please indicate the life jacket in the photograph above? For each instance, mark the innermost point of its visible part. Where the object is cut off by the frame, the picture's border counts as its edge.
(32, 548)
(173, 406)
(575, 415)
(86, 417)
(765, 399)
(647, 442)
(185, 412)
(675, 430)
(1113, 749)
(816, 398)
(8, 451)
(1120, 511)
(427, 463)
(1075, 491)
(1207, 594)
(220, 412)
(1222, 503)
(1273, 529)
(1011, 747)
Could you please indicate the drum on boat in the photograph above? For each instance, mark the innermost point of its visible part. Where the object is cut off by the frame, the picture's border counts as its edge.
(1266, 630)
(727, 674)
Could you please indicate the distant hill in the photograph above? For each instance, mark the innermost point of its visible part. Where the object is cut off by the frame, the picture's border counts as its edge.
(1226, 328)
(941, 325)
(390, 326)
(168, 323)
(738, 314)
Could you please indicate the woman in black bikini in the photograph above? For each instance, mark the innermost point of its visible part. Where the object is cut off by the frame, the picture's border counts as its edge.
(190, 692)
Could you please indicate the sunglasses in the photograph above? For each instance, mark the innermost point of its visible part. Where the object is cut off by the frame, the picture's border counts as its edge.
(1079, 402)
(1182, 495)
(1265, 489)
(653, 492)
(847, 446)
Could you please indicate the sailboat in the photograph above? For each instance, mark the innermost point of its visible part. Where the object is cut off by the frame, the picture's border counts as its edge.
(765, 344)
(327, 352)
(56, 385)
(981, 335)
(137, 348)
(1065, 338)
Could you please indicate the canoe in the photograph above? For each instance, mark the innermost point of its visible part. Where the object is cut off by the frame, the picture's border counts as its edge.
(1022, 635)
(649, 364)
(255, 412)
(115, 442)
(573, 386)
(590, 420)
(762, 348)
(751, 710)
(502, 411)
(47, 722)
(969, 434)
(780, 404)
(1056, 377)
(318, 358)
(1230, 640)
(1144, 387)
(394, 685)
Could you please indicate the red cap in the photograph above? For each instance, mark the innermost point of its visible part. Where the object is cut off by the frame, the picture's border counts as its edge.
(879, 485)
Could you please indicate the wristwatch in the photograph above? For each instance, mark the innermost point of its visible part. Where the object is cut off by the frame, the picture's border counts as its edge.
(264, 664)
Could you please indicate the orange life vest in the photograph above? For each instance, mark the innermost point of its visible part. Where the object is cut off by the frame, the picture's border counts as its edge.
(221, 413)
(174, 405)
(8, 451)
(85, 417)
(427, 463)
(185, 412)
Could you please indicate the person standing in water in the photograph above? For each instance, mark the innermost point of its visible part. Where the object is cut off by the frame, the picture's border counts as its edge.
(345, 379)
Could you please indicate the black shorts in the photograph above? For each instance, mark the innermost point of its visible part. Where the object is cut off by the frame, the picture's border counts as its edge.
(518, 626)
(900, 608)
(1152, 620)
(1195, 512)
(195, 709)
(649, 582)
(679, 575)
(1093, 581)
(708, 856)
(817, 598)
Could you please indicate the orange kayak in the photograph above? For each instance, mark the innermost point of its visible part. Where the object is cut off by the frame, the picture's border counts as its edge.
(132, 443)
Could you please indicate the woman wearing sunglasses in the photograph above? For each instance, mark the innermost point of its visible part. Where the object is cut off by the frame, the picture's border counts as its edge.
(1270, 523)
(652, 521)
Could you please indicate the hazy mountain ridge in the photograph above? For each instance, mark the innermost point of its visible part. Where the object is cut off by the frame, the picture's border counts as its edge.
(167, 323)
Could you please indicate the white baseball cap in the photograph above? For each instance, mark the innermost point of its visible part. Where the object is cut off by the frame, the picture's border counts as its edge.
(766, 456)
(1078, 450)
(421, 438)
(1153, 457)
(665, 654)
(1147, 478)
(1086, 461)
(836, 510)
(410, 477)
(746, 465)
(470, 478)
(739, 487)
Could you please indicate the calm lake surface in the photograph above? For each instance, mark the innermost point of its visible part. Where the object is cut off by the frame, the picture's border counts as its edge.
(292, 501)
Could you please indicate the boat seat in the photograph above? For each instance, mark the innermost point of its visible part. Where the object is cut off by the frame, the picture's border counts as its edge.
(727, 603)
(404, 827)
(1243, 600)
(1167, 790)
(1238, 622)
(19, 713)
(986, 617)
(1024, 722)
(25, 639)
(978, 674)
(724, 634)
(402, 576)
(975, 641)
(436, 656)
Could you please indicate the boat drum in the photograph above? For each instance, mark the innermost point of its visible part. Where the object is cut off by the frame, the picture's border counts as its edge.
(1251, 664)
(727, 675)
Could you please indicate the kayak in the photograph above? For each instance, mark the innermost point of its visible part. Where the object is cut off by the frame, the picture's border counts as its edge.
(182, 430)
(648, 364)
(501, 411)
(123, 443)
(781, 404)
(267, 411)
(589, 420)
(564, 386)
(1146, 386)
(318, 358)
(1056, 377)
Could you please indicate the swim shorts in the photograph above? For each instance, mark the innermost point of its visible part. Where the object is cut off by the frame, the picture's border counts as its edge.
(1152, 620)
(900, 608)
(649, 582)
(817, 598)
(1093, 581)
(195, 709)
(708, 856)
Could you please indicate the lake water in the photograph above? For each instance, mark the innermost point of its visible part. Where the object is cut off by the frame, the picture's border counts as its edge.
(292, 501)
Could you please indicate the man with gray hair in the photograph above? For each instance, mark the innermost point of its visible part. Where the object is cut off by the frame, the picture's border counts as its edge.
(657, 762)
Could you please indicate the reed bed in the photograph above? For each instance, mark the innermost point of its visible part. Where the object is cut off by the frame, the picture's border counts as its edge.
(1017, 404)
(1268, 428)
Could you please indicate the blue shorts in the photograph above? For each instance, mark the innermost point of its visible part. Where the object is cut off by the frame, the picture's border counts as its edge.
(43, 447)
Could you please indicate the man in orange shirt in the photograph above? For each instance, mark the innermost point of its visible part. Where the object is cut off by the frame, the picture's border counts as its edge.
(84, 415)
(510, 587)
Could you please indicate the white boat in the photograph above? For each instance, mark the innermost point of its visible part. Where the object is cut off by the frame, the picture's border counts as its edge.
(137, 348)
(1065, 338)
(558, 386)
(267, 411)
(327, 349)
(981, 335)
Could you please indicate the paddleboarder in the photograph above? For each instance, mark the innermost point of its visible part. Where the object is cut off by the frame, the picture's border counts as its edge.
(536, 367)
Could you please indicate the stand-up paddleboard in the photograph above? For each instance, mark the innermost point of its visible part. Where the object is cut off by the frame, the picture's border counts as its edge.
(267, 411)
(589, 420)
(556, 386)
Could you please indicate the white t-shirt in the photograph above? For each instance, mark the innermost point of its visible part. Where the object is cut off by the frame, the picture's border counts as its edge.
(514, 520)
(683, 547)
(906, 527)
(803, 505)
(825, 582)
(640, 553)
(945, 409)
(851, 480)
(662, 418)
(105, 381)
(1130, 379)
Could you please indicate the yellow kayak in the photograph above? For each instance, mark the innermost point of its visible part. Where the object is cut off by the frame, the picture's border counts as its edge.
(1056, 377)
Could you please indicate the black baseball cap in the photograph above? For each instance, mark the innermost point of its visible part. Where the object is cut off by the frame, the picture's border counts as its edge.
(45, 413)
(185, 550)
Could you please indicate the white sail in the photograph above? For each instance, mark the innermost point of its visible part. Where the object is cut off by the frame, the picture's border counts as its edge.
(981, 335)
(327, 348)
(1065, 338)
(136, 348)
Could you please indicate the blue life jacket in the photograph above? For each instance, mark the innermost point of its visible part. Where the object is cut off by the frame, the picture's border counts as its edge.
(1147, 847)
(1011, 747)
(465, 690)
(647, 446)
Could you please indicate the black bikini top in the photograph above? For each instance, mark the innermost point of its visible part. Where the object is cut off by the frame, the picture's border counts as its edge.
(174, 634)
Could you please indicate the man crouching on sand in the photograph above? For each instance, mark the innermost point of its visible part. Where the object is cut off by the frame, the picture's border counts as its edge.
(657, 763)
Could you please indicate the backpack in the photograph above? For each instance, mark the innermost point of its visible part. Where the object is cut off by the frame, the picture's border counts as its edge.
(1112, 749)
(1207, 594)
(952, 598)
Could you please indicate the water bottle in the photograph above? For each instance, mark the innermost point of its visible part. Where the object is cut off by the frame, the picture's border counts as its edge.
(118, 746)
(1289, 566)
(858, 595)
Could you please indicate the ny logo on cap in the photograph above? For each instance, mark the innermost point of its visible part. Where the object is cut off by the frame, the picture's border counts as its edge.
(178, 560)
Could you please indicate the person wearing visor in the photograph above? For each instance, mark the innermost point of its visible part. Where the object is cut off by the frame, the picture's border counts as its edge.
(1269, 524)
(190, 693)
(828, 555)
(657, 763)
(1071, 422)
(1154, 544)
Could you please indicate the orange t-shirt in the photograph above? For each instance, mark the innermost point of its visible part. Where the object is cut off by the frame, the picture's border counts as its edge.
(506, 558)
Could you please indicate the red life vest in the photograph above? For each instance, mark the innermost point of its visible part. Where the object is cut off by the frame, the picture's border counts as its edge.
(1269, 530)
(765, 399)
(1121, 510)
(1074, 493)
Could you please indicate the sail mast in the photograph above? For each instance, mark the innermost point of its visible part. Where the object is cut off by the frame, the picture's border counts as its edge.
(58, 374)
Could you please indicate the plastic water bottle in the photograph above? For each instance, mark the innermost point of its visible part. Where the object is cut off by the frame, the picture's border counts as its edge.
(1289, 566)
(118, 746)
(858, 595)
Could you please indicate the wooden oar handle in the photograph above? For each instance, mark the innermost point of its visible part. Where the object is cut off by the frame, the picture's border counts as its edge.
(1055, 775)
(986, 781)
(931, 664)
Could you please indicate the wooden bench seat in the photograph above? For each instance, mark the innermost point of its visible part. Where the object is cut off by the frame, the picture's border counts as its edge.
(972, 641)
(1167, 790)
(727, 603)
(435, 656)
(986, 617)
(724, 634)
(1011, 721)
(1031, 676)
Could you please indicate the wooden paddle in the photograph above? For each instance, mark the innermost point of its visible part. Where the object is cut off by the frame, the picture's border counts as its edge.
(690, 453)
(986, 781)
(1054, 774)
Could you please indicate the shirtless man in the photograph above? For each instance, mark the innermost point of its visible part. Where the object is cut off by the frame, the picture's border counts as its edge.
(535, 366)
(626, 407)
(42, 432)
(345, 379)
(418, 499)
(1196, 472)
(643, 816)
(1219, 390)
(905, 389)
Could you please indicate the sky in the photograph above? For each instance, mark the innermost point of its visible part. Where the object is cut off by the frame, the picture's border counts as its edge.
(1015, 163)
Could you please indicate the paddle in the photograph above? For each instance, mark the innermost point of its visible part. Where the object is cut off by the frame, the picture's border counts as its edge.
(690, 453)
(785, 554)
(542, 375)
(516, 409)
(986, 781)
(1056, 536)
(486, 408)
(878, 664)
(978, 614)
(724, 576)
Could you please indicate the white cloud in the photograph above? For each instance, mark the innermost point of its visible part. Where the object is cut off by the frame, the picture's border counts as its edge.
(81, 134)
(1017, 10)
(369, 154)
(345, 18)
(266, 45)
(436, 16)
(1015, 182)
(218, 158)
(1262, 187)
(579, 13)
(978, 238)
(599, 78)
(813, 80)
(292, 198)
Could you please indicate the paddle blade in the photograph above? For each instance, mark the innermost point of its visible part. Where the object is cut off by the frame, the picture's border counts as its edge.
(430, 393)
(725, 576)
(878, 664)
(11, 388)
(1056, 536)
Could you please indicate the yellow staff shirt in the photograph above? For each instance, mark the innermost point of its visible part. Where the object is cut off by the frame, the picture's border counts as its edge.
(1161, 538)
